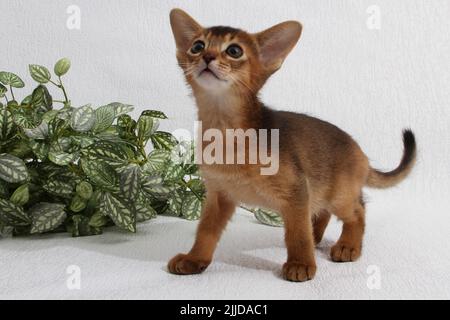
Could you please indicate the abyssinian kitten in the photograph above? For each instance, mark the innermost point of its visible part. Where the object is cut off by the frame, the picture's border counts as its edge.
(322, 170)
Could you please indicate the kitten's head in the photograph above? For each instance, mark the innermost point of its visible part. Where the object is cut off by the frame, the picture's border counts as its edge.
(219, 59)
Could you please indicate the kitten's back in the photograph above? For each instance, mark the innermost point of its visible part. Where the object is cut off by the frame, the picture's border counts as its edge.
(318, 146)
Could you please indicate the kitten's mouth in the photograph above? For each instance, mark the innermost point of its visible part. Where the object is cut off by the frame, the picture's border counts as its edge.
(207, 71)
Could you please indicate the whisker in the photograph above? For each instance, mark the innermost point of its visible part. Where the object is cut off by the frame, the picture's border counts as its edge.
(241, 82)
(245, 72)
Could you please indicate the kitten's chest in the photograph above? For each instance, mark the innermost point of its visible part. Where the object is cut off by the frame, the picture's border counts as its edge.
(244, 184)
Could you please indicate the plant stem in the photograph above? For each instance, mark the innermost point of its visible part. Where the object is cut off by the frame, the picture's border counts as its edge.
(63, 89)
(12, 92)
(194, 192)
(247, 209)
(141, 149)
(61, 86)
(54, 83)
(201, 198)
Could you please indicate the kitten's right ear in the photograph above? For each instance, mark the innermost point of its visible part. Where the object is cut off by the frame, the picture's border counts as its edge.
(184, 28)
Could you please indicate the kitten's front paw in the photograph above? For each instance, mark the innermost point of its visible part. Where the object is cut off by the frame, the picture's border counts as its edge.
(342, 252)
(183, 264)
(298, 272)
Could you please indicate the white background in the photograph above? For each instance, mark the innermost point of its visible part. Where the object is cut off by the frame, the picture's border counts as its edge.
(371, 83)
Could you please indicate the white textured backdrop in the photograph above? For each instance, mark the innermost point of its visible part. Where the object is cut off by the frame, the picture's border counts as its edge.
(371, 83)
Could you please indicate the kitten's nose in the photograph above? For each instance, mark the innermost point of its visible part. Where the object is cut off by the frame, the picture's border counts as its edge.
(208, 57)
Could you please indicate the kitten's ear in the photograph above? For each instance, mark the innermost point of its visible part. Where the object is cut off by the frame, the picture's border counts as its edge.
(277, 42)
(184, 28)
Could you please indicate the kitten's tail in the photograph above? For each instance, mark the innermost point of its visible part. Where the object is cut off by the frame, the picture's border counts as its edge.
(382, 180)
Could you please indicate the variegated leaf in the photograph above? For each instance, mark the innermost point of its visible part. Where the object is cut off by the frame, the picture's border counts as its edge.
(68, 176)
(12, 169)
(105, 116)
(40, 149)
(163, 140)
(107, 152)
(154, 114)
(120, 212)
(20, 149)
(121, 108)
(62, 158)
(183, 153)
(82, 141)
(4, 190)
(100, 174)
(6, 124)
(175, 203)
(77, 204)
(149, 180)
(61, 144)
(153, 185)
(12, 214)
(25, 119)
(268, 217)
(83, 119)
(11, 79)
(192, 207)
(157, 160)
(21, 195)
(59, 188)
(46, 217)
(146, 127)
(26, 100)
(160, 191)
(50, 115)
(38, 133)
(65, 113)
(5, 231)
(84, 190)
(174, 173)
(13, 104)
(130, 182)
(3, 90)
(144, 210)
(98, 220)
(79, 227)
(39, 73)
(41, 98)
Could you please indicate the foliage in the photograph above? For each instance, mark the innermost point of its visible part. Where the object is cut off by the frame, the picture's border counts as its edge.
(81, 169)
(266, 217)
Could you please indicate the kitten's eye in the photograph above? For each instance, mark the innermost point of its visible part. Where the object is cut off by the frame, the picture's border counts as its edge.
(235, 51)
(197, 47)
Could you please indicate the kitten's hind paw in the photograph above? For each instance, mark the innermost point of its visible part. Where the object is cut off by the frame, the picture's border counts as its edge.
(342, 252)
(183, 264)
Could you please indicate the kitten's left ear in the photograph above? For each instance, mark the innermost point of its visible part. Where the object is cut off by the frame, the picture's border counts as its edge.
(184, 28)
(277, 42)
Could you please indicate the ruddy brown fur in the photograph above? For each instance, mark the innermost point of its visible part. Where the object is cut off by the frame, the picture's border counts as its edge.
(322, 170)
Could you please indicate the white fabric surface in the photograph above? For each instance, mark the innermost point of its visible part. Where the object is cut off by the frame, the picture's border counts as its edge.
(409, 248)
(371, 83)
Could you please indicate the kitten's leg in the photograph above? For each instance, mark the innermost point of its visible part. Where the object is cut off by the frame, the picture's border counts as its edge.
(320, 223)
(348, 247)
(217, 210)
(300, 265)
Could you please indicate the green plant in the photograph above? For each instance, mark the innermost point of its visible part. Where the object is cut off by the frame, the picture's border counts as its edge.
(82, 169)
